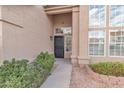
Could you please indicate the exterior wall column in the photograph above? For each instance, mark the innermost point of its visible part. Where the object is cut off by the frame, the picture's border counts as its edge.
(75, 35)
(1, 42)
(83, 35)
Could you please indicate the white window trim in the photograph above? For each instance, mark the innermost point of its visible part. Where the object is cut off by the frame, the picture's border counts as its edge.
(109, 18)
(104, 46)
(66, 45)
(109, 46)
(107, 29)
(97, 26)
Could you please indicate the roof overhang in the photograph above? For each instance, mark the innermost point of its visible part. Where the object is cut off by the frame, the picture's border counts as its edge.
(59, 9)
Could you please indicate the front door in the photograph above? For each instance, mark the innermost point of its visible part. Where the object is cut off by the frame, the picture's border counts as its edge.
(59, 46)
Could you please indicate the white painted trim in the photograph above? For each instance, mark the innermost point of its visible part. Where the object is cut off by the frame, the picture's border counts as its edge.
(97, 26)
(96, 29)
(104, 46)
(109, 46)
(109, 19)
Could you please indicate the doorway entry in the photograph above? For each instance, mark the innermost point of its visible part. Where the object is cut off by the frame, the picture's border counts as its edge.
(62, 42)
(59, 46)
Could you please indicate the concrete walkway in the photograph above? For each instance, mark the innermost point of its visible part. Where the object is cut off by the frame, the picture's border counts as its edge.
(61, 75)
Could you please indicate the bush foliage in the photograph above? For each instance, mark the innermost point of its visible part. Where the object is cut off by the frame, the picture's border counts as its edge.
(21, 74)
(109, 68)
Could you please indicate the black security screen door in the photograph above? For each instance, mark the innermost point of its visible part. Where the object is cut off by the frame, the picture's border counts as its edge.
(59, 46)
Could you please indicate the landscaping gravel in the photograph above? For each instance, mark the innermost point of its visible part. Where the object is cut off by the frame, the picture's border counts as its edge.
(81, 79)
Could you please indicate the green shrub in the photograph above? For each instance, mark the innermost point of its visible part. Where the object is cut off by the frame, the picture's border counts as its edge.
(46, 60)
(109, 68)
(20, 74)
(11, 73)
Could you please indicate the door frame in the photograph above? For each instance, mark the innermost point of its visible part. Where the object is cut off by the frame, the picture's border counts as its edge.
(63, 44)
(61, 34)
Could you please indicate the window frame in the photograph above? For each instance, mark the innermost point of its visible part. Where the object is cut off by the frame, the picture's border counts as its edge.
(107, 29)
(104, 54)
(111, 26)
(109, 43)
(92, 27)
(96, 28)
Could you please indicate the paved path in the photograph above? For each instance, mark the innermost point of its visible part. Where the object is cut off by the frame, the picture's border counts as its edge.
(61, 75)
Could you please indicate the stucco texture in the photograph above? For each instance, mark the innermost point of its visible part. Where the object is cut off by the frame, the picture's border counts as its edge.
(26, 32)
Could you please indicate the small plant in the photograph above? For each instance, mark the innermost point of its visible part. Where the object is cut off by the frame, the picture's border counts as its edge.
(46, 60)
(11, 72)
(20, 74)
(109, 68)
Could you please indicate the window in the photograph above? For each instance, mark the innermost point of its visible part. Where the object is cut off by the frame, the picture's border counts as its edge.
(63, 30)
(116, 15)
(96, 42)
(68, 37)
(116, 43)
(96, 16)
(96, 30)
(116, 35)
(58, 31)
(68, 42)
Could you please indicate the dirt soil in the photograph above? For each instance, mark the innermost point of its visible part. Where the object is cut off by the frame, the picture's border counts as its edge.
(80, 79)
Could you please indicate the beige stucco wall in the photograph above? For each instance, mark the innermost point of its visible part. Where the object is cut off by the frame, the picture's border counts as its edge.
(27, 31)
(63, 20)
(106, 59)
(75, 35)
(0, 12)
(1, 48)
(0, 38)
(83, 35)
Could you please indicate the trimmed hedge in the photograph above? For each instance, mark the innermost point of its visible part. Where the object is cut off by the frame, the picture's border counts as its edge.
(109, 68)
(21, 74)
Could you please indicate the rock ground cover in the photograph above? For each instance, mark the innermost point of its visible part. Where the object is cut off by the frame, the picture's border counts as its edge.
(81, 79)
